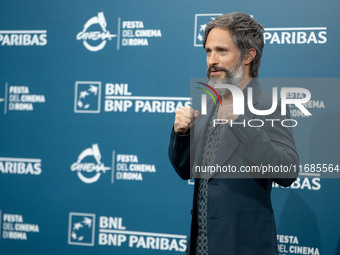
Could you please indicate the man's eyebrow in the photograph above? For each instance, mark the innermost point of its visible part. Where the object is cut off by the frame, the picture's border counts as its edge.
(221, 48)
(217, 48)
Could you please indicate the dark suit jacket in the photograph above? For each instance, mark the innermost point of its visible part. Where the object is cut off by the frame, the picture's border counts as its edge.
(240, 215)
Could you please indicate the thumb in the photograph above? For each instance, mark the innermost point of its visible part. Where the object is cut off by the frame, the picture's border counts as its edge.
(196, 114)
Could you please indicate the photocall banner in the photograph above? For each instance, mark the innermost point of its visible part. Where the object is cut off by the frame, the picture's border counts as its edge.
(88, 95)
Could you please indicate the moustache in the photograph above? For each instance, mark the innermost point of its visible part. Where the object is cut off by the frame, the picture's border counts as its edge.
(217, 68)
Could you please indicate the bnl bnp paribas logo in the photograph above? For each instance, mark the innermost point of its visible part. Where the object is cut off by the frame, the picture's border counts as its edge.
(87, 97)
(23, 38)
(118, 98)
(272, 35)
(81, 229)
(112, 232)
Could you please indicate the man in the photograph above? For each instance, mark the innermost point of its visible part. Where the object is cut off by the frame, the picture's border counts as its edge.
(232, 215)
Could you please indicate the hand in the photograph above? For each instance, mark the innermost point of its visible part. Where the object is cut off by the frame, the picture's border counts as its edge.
(226, 112)
(185, 119)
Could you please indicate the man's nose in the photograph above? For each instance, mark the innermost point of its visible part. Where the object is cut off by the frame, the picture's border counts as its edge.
(212, 59)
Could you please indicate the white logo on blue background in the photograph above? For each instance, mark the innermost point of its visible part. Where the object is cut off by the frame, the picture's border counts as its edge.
(201, 21)
(81, 229)
(101, 35)
(87, 97)
(89, 166)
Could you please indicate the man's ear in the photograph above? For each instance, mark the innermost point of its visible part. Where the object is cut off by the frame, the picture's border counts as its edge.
(249, 56)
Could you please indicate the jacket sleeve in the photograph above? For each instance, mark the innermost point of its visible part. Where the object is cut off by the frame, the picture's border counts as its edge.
(179, 154)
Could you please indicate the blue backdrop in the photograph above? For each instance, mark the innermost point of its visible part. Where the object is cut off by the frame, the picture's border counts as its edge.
(88, 93)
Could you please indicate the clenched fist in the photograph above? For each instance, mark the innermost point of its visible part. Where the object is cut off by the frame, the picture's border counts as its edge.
(185, 119)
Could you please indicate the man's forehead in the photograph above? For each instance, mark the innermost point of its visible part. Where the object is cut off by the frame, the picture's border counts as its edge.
(219, 37)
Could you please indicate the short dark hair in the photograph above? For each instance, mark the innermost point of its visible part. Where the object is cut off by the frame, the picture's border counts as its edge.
(246, 32)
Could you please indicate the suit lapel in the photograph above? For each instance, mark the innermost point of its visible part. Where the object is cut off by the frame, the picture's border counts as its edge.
(257, 89)
(200, 132)
(227, 146)
(229, 141)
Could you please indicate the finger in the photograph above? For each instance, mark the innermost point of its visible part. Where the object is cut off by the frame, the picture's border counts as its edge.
(182, 117)
(183, 112)
(181, 127)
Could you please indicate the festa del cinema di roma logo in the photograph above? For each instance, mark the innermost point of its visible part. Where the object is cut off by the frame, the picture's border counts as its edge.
(88, 35)
(89, 166)
(95, 34)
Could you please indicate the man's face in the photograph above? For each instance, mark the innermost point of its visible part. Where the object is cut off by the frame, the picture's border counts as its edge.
(222, 58)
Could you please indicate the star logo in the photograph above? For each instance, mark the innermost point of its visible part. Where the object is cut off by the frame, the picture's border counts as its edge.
(201, 22)
(203, 27)
(87, 221)
(87, 97)
(81, 229)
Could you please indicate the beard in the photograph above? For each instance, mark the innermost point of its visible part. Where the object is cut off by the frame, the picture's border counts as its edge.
(233, 77)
